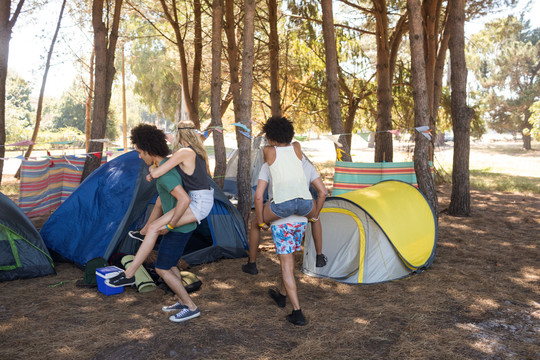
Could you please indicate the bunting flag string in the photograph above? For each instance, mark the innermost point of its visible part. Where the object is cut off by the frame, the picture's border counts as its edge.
(49, 156)
(242, 126)
(424, 130)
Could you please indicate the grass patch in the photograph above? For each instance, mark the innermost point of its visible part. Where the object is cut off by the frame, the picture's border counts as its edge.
(485, 179)
(10, 186)
(489, 180)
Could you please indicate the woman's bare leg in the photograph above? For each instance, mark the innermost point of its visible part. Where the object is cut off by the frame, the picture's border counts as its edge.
(156, 228)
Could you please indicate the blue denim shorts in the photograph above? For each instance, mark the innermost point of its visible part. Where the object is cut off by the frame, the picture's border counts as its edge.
(171, 249)
(202, 202)
(297, 206)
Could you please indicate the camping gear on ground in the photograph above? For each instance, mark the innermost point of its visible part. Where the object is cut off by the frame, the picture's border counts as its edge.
(384, 232)
(45, 184)
(143, 280)
(106, 273)
(89, 277)
(115, 199)
(190, 281)
(22, 251)
(349, 176)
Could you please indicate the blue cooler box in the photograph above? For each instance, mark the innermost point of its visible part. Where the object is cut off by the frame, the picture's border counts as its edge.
(107, 273)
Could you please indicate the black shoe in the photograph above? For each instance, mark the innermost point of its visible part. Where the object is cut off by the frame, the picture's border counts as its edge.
(250, 268)
(277, 297)
(120, 280)
(296, 317)
(136, 235)
(321, 260)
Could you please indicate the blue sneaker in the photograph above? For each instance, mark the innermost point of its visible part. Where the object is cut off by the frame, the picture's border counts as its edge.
(185, 314)
(174, 307)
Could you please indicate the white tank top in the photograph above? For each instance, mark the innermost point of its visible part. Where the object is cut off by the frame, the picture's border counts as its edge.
(288, 178)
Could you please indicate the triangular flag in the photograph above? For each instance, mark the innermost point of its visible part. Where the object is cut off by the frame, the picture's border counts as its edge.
(22, 143)
(365, 136)
(241, 126)
(334, 139)
(394, 132)
(246, 134)
(422, 128)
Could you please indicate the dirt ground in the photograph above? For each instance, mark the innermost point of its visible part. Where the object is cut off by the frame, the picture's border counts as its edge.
(479, 300)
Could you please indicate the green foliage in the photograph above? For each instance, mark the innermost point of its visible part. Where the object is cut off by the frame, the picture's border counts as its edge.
(534, 120)
(478, 124)
(505, 58)
(70, 113)
(19, 125)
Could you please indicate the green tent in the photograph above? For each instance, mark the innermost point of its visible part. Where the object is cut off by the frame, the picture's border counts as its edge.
(22, 251)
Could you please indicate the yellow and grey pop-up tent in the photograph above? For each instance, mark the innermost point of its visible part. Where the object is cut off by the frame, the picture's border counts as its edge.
(384, 232)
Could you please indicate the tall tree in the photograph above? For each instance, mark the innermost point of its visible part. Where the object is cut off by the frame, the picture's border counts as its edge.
(89, 100)
(505, 57)
(43, 83)
(436, 36)
(421, 105)
(332, 85)
(273, 47)
(244, 115)
(191, 94)
(460, 199)
(215, 102)
(105, 39)
(7, 21)
(387, 50)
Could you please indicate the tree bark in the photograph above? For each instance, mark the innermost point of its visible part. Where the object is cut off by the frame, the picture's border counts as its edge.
(89, 99)
(421, 105)
(527, 125)
(105, 46)
(215, 102)
(332, 85)
(42, 90)
(191, 95)
(6, 27)
(460, 199)
(273, 47)
(233, 53)
(244, 143)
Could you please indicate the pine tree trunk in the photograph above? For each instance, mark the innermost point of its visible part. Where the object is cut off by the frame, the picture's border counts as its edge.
(6, 26)
(384, 151)
(460, 199)
(244, 143)
(273, 47)
(215, 102)
(105, 47)
(42, 89)
(421, 105)
(89, 99)
(332, 86)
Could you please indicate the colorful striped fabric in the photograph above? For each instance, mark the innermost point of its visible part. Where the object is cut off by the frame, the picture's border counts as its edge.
(45, 184)
(350, 176)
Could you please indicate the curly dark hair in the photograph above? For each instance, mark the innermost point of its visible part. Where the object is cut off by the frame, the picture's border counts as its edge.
(279, 129)
(150, 139)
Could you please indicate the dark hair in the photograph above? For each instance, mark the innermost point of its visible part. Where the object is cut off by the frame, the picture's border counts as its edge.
(279, 129)
(150, 139)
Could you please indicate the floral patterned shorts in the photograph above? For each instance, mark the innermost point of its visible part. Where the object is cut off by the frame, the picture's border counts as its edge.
(288, 237)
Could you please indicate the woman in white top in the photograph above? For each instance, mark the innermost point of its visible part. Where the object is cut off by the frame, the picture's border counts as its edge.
(289, 185)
